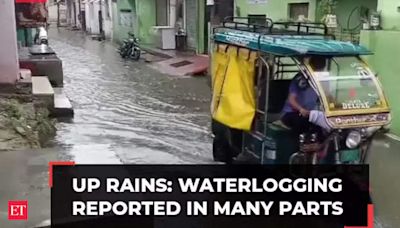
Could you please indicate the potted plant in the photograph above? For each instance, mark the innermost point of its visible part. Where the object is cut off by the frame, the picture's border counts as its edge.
(327, 8)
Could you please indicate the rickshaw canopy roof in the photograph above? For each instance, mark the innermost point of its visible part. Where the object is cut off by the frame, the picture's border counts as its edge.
(290, 45)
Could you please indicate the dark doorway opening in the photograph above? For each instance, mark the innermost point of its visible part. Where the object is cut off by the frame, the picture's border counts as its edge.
(297, 10)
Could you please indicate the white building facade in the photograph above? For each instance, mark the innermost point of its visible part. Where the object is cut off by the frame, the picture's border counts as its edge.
(9, 66)
(98, 17)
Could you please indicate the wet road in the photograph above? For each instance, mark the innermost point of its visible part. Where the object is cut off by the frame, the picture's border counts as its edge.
(126, 112)
(384, 175)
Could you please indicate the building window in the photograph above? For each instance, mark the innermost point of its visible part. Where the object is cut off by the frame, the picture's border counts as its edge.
(258, 19)
(125, 17)
(298, 11)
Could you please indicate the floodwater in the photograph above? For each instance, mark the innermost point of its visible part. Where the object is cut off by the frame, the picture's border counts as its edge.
(126, 112)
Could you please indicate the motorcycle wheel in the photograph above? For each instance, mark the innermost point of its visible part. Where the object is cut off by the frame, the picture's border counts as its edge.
(298, 159)
(135, 54)
(123, 52)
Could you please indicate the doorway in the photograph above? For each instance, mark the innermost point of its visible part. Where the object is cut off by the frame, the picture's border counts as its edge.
(180, 14)
(162, 12)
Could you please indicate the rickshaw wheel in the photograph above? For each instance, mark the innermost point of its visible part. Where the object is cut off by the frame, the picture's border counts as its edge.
(298, 159)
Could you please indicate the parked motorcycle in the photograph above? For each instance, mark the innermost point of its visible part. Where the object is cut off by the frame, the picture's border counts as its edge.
(41, 36)
(130, 48)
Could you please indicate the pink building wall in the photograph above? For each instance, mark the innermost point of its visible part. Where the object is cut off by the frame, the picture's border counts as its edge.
(9, 67)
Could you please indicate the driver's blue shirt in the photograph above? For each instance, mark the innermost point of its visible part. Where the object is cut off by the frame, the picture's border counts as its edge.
(307, 97)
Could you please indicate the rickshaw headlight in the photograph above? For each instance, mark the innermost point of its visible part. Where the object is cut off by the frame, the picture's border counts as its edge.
(353, 139)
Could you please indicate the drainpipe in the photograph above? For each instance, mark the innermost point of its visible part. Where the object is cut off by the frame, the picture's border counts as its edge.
(58, 13)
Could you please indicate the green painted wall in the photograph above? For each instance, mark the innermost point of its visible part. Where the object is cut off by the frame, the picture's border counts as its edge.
(120, 32)
(146, 19)
(274, 9)
(201, 26)
(348, 17)
(344, 9)
(385, 62)
(143, 18)
(192, 24)
(390, 11)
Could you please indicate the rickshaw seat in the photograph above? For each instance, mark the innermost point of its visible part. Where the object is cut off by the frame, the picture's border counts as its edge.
(272, 117)
(279, 90)
(280, 125)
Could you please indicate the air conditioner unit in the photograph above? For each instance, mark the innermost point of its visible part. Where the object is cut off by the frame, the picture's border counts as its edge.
(164, 37)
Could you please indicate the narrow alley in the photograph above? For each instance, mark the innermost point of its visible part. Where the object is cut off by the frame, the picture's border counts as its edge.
(128, 111)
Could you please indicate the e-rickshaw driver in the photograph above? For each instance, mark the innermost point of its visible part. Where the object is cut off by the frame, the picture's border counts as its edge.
(302, 99)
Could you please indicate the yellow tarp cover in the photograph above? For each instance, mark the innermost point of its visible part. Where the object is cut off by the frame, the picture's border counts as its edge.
(233, 75)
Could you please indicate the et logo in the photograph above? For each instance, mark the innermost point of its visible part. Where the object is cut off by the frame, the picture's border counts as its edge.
(18, 210)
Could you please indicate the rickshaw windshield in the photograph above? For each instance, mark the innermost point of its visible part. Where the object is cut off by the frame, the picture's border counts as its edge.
(348, 84)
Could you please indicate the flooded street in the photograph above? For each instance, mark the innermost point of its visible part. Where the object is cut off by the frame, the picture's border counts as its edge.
(126, 112)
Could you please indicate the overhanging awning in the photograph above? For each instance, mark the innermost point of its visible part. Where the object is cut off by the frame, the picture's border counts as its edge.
(30, 1)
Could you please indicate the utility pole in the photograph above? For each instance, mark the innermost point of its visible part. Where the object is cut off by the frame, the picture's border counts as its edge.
(80, 13)
(102, 35)
(58, 12)
(75, 16)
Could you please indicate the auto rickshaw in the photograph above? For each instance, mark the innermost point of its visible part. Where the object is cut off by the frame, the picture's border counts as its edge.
(252, 68)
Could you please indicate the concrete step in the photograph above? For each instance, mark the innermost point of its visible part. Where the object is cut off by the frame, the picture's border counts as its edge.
(158, 52)
(62, 105)
(42, 90)
(41, 87)
(24, 82)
